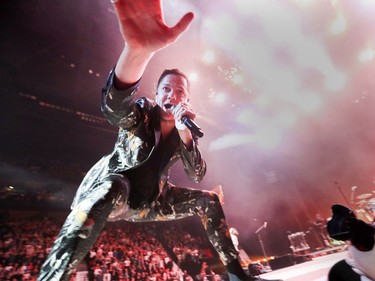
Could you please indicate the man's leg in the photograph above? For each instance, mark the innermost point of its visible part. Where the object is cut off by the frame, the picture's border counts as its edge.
(82, 228)
(177, 202)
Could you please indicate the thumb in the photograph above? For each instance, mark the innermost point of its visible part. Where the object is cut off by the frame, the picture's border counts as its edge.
(182, 25)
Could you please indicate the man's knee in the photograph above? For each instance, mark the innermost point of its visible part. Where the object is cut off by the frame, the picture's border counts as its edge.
(100, 201)
(212, 197)
(208, 203)
(113, 190)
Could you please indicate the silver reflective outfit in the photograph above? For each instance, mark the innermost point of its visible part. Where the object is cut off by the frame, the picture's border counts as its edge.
(104, 192)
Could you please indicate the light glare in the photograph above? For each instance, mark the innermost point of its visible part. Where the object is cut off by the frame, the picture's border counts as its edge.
(208, 57)
(338, 25)
(366, 55)
(193, 76)
(220, 98)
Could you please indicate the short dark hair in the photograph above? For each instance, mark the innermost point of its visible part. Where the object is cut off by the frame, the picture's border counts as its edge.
(173, 71)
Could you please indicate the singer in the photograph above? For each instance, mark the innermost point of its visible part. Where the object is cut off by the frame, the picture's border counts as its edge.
(131, 183)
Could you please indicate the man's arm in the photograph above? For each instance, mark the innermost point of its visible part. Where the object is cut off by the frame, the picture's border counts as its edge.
(194, 165)
(144, 32)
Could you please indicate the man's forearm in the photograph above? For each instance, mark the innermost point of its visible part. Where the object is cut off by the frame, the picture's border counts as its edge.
(131, 65)
(187, 138)
(194, 165)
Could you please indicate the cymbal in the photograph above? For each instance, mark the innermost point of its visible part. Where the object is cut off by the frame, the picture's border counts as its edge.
(364, 196)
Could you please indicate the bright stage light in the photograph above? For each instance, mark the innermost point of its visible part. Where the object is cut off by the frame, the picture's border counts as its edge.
(366, 55)
(339, 25)
(193, 76)
(237, 79)
(223, 24)
(334, 3)
(369, 3)
(220, 98)
(247, 117)
(244, 7)
(230, 140)
(335, 81)
(208, 57)
(305, 3)
(268, 137)
(263, 101)
(310, 102)
(286, 119)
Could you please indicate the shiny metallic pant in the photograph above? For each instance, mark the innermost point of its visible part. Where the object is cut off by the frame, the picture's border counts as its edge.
(108, 201)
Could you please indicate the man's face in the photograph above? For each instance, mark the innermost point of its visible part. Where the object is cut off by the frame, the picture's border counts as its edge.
(172, 90)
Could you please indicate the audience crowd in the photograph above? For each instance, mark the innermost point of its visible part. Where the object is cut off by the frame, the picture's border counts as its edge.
(124, 252)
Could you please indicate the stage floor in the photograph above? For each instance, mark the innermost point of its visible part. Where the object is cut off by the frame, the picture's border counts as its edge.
(314, 270)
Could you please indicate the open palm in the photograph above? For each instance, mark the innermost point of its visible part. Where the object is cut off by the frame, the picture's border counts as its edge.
(143, 26)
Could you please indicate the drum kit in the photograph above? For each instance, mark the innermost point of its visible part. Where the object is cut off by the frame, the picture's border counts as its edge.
(365, 207)
(316, 238)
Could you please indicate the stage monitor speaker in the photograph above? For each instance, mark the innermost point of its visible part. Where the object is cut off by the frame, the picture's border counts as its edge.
(286, 260)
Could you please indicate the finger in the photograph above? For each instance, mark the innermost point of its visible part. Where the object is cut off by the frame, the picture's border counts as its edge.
(178, 113)
(182, 112)
(183, 24)
(177, 107)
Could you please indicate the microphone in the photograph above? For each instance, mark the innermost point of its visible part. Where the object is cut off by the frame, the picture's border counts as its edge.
(190, 124)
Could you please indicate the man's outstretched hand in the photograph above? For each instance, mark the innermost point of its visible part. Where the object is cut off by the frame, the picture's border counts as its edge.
(143, 27)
